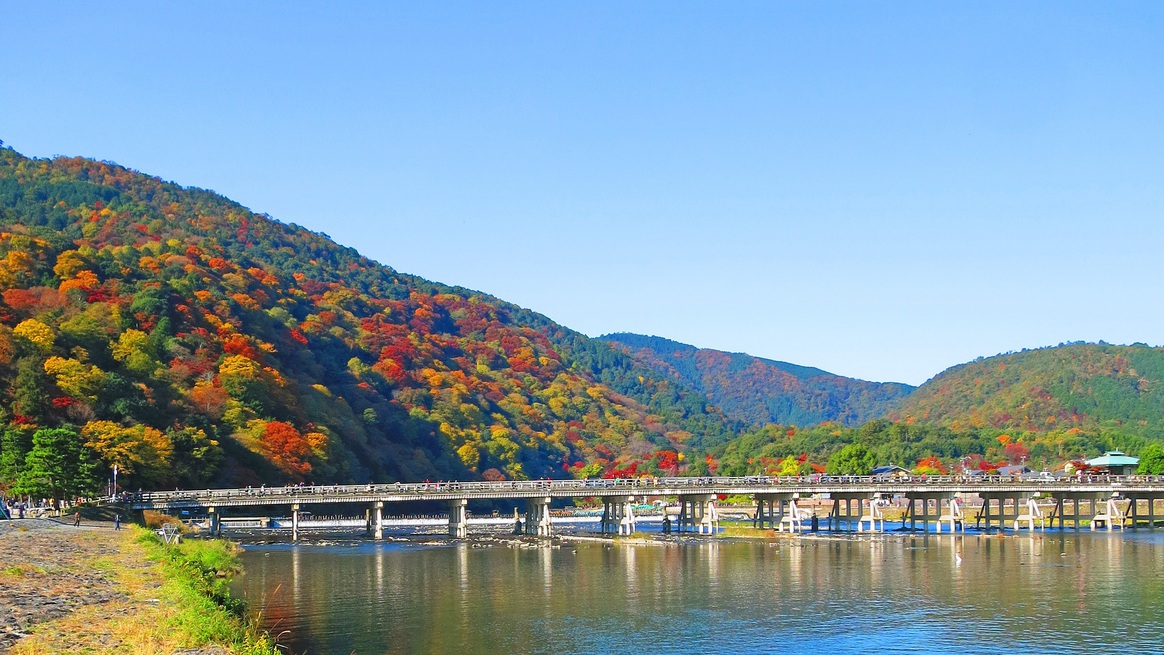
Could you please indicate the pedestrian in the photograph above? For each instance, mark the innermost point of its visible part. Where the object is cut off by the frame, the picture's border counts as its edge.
(116, 521)
(77, 520)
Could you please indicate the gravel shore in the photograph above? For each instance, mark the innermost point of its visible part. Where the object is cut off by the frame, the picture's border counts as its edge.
(45, 573)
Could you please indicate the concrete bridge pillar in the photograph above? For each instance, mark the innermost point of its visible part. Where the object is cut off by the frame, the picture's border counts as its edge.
(765, 516)
(215, 521)
(919, 508)
(845, 499)
(773, 511)
(537, 517)
(376, 520)
(295, 522)
(458, 518)
(1134, 507)
(698, 512)
(618, 515)
(1073, 498)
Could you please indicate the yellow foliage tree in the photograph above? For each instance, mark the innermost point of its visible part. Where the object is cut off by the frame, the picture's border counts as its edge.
(76, 379)
(470, 456)
(130, 349)
(139, 451)
(69, 263)
(38, 334)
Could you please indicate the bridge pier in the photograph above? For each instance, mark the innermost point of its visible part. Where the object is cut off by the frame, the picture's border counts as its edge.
(1061, 499)
(953, 515)
(875, 518)
(1032, 514)
(912, 514)
(376, 520)
(1018, 502)
(771, 510)
(215, 521)
(1134, 507)
(458, 518)
(847, 499)
(697, 511)
(537, 517)
(295, 522)
(1110, 517)
(618, 515)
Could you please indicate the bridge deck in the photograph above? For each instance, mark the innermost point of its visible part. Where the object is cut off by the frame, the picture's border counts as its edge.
(1142, 486)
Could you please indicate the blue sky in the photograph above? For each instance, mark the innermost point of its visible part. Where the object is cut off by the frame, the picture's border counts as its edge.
(882, 190)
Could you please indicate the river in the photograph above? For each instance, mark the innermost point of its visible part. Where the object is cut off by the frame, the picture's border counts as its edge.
(1053, 592)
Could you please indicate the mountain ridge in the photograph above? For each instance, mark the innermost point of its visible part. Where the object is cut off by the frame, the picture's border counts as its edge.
(1075, 384)
(759, 391)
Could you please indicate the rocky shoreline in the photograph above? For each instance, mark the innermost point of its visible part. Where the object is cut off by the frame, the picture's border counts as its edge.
(43, 575)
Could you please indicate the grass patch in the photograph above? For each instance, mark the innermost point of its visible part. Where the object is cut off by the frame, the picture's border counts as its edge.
(20, 570)
(749, 532)
(197, 575)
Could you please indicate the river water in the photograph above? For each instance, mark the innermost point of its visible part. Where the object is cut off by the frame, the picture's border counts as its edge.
(1053, 592)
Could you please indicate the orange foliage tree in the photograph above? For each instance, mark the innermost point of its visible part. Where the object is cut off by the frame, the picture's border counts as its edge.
(287, 449)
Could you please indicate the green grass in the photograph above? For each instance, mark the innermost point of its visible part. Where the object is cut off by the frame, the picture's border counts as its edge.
(196, 580)
(21, 570)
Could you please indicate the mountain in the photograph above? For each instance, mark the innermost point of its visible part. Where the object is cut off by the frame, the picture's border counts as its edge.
(759, 391)
(190, 341)
(1077, 385)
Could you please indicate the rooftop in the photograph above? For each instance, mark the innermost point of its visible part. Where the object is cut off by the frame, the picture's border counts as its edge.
(1114, 458)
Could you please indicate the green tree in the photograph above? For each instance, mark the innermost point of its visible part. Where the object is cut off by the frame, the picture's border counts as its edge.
(853, 459)
(1151, 460)
(197, 458)
(29, 397)
(15, 442)
(57, 467)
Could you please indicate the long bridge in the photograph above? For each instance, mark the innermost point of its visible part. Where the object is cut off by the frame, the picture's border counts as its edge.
(1004, 500)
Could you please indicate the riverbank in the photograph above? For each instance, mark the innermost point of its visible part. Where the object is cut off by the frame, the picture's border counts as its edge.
(93, 589)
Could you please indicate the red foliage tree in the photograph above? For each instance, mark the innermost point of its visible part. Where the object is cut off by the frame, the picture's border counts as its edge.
(287, 449)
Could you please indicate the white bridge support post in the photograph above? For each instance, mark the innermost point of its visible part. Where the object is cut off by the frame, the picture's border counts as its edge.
(1110, 517)
(295, 522)
(794, 517)
(215, 521)
(873, 517)
(1029, 516)
(537, 517)
(376, 520)
(952, 516)
(627, 524)
(458, 518)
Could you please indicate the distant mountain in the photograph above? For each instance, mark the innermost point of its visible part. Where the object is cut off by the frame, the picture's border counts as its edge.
(759, 391)
(1080, 385)
(190, 341)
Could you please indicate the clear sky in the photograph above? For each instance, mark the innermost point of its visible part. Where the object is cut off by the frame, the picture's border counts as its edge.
(881, 190)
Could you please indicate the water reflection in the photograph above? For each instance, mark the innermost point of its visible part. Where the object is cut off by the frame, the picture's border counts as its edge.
(1050, 593)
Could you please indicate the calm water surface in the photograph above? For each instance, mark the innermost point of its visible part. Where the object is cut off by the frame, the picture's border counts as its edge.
(1049, 593)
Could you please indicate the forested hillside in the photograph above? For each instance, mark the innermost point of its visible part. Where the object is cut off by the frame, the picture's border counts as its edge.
(1079, 385)
(190, 341)
(760, 391)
